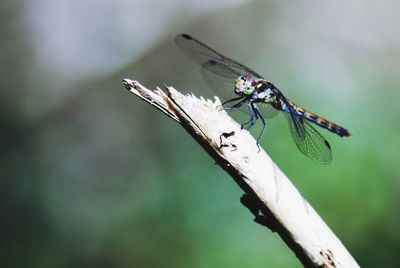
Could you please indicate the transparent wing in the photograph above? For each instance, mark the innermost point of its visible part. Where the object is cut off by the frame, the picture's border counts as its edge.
(212, 60)
(219, 79)
(309, 141)
(267, 110)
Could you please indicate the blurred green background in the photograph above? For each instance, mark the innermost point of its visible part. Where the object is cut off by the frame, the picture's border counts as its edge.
(93, 177)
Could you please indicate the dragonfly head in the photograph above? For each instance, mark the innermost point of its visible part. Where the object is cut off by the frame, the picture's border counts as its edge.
(245, 85)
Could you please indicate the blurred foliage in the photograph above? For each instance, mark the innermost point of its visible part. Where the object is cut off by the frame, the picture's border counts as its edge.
(93, 177)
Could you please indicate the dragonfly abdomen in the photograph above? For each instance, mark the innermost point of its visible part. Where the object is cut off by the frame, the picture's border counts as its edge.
(320, 121)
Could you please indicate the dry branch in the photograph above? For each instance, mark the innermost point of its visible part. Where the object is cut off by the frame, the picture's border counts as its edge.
(269, 194)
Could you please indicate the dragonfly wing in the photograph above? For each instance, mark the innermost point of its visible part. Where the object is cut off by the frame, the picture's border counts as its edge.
(309, 141)
(267, 110)
(220, 68)
(220, 80)
(211, 59)
(196, 50)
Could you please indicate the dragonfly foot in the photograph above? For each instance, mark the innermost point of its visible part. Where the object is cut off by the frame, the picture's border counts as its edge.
(220, 108)
(258, 146)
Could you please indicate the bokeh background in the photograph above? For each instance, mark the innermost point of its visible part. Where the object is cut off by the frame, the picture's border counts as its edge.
(92, 177)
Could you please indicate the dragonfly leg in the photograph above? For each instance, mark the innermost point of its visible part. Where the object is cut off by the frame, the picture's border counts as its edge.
(237, 105)
(253, 116)
(257, 112)
(251, 113)
(228, 101)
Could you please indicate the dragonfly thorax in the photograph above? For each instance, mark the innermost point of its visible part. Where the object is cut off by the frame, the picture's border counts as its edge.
(266, 92)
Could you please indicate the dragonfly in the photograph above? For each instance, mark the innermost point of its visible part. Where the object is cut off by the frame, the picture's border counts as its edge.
(262, 98)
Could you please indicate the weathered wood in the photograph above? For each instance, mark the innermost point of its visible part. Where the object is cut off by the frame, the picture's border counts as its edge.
(269, 194)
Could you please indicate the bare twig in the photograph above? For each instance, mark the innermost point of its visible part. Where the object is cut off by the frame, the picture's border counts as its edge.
(269, 194)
